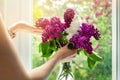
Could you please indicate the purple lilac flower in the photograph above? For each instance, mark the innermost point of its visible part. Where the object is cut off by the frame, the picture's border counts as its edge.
(53, 29)
(82, 39)
(45, 36)
(42, 22)
(68, 16)
(57, 24)
(54, 21)
(82, 43)
(96, 34)
(86, 30)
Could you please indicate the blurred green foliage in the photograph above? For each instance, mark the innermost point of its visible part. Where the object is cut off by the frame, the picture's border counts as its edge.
(97, 12)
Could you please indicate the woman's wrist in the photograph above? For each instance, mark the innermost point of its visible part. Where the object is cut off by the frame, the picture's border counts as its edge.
(13, 30)
(57, 58)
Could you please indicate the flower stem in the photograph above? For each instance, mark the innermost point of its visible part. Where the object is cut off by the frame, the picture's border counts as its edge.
(66, 71)
(58, 43)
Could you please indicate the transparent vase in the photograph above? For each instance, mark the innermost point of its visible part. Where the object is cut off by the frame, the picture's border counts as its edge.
(65, 72)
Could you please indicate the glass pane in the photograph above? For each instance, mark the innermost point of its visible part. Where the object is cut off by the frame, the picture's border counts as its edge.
(97, 12)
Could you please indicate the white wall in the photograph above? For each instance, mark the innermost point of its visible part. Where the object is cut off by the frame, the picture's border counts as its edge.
(20, 10)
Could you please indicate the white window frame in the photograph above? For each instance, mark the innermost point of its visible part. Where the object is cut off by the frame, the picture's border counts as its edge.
(115, 40)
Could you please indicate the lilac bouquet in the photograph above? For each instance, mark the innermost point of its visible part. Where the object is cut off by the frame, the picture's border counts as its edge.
(54, 36)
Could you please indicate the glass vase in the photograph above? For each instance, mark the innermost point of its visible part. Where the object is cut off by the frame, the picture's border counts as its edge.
(65, 72)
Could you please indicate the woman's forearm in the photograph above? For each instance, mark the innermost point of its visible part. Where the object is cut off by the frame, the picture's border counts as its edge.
(15, 28)
(42, 72)
(62, 55)
(23, 27)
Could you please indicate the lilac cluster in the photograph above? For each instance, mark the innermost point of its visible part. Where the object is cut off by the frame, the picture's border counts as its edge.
(68, 16)
(53, 29)
(82, 39)
(42, 22)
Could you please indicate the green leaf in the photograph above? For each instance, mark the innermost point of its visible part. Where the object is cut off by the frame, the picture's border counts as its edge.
(49, 53)
(91, 63)
(45, 49)
(40, 49)
(53, 45)
(93, 56)
(83, 51)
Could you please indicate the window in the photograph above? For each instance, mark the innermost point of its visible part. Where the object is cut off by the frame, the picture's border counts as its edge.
(27, 45)
(86, 11)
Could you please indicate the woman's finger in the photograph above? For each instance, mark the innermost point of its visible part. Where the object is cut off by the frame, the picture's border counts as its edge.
(71, 56)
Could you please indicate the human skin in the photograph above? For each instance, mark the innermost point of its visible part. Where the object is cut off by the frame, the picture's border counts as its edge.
(11, 67)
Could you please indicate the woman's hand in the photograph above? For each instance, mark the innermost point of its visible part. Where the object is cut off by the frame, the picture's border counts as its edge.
(62, 55)
(65, 55)
(23, 27)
